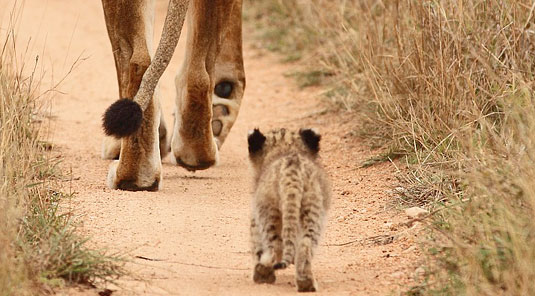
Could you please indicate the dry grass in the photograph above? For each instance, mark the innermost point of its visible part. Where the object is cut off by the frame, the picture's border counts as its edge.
(451, 85)
(39, 246)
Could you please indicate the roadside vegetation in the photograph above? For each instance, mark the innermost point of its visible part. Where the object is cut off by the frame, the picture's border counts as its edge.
(40, 248)
(447, 87)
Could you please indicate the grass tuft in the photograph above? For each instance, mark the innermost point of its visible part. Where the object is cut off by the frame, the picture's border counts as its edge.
(450, 85)
(39, 242)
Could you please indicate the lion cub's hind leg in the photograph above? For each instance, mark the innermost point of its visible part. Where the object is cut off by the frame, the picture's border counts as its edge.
(312, 215)
(266, 243)
(262, 273)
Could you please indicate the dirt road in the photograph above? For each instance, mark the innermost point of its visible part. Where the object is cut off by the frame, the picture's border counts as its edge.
(197, 225)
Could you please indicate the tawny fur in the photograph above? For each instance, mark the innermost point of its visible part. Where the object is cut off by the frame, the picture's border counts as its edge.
(176, 14)
(290, 201)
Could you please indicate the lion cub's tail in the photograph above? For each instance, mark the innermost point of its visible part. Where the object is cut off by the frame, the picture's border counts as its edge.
(291, 191)
(123, 118)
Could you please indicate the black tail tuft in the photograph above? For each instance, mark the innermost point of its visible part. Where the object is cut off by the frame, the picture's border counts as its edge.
(123, 118)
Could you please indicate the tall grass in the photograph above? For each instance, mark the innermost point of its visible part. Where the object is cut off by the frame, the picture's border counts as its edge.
(18, 147)
(39, 245)
(448, 84)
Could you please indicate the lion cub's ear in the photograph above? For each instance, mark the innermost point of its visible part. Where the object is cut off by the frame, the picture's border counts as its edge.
(256, 141)
(311, 138)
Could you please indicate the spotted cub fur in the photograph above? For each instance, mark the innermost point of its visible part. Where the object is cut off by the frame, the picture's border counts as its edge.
(290, 201)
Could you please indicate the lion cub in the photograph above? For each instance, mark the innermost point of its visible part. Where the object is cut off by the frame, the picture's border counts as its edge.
(290, 201)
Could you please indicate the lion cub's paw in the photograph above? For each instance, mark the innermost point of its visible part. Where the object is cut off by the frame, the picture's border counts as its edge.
(264, 274)
(307, 285)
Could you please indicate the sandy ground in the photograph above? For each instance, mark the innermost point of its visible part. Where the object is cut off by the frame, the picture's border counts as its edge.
(197, 225)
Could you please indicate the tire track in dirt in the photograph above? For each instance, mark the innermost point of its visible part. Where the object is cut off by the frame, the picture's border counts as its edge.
(197, 225)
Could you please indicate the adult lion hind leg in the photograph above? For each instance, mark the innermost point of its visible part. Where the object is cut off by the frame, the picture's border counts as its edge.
(129, 23)
(165, 145)
(111, 146)
(193, 144)
(229, 76)
(139, 165)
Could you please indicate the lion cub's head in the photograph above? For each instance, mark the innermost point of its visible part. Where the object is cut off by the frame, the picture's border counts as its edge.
(278, 142)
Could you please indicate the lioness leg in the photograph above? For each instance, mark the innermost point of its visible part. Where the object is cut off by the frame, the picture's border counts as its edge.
(111, 146)
(122, 32)
(129, 22)
(229, 76)
(193, 144)
(165, 147)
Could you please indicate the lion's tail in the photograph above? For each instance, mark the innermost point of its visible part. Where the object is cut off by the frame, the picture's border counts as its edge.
(123, 118)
